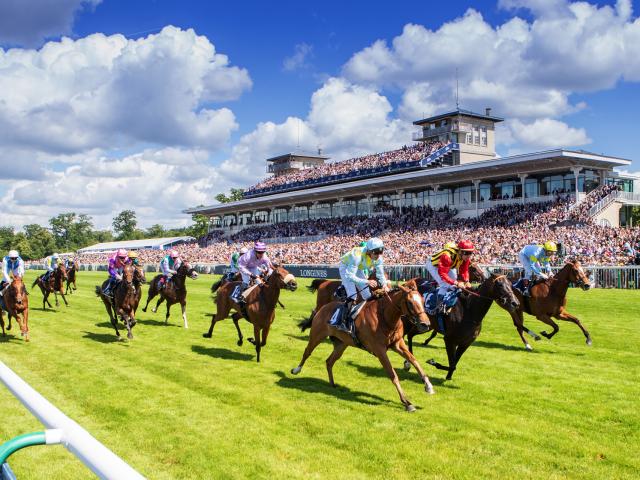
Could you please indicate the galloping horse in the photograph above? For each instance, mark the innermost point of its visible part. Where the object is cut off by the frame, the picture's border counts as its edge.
(138, 279)
(16, 302)
(71, 277)
(464, 322)
(227, 277)
(55, 285)
(260, 306)
(125, 300)
(174, 291)
(549, 299)
(379, 328)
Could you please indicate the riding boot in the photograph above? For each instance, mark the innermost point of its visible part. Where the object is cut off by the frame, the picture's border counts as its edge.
(342, 320)
(236, 295)
(526, 290)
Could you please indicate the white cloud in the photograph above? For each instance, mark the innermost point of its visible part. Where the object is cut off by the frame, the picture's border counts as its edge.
(29, 22)
(546, 133)
(299, 58)
(72, 96)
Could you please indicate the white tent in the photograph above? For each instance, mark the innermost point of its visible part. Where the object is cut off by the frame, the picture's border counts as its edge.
(147, 243)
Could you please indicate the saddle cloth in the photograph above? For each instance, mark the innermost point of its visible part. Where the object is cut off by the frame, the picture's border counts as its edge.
(447, 301)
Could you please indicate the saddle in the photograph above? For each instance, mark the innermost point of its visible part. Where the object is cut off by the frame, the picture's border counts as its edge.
(344, 319)
(440, 307)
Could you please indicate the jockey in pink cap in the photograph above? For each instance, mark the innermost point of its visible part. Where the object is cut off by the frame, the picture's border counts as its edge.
(251, 265)
(117, 261)
(169, 266)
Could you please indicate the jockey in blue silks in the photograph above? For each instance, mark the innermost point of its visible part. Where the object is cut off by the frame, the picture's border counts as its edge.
(536, 260)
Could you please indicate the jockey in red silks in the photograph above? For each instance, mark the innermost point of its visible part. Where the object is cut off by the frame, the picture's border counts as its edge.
(117, 261)
(450, 266)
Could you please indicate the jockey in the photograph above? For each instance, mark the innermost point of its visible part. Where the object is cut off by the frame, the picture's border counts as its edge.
(451, 263)
(13, 264)
(117, 261)
(536, 261)
(235, 256)
(51, 264)
(169, 266)
(251, 265)
(354, 269)
(133, 258)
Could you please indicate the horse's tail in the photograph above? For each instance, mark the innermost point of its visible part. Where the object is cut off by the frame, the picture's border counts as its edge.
(315, 284)
(98, 290)
(307, 322)
(35, 282)
(216, 286)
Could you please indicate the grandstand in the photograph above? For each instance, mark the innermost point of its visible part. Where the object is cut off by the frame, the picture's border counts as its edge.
(453, 165)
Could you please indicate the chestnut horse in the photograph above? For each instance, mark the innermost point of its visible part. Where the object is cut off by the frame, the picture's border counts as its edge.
(549, 299)
(71, 277)
(464, 322)
(55, 285)
(124, 301)
(378, 328)
(174, 291)
(16, 303)
(259, 309)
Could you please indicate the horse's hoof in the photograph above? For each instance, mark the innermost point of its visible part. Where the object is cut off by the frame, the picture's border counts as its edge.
(130, 337)
(589, 342)
(8, 327)
(528, 348)
(206, 335)
(406, 366)
(153, 310)
(431, 361)
(410, 408)
(239, 342)
(251, 341)
(429, 389)
(537, 338)
(295, 371)
(544, 334)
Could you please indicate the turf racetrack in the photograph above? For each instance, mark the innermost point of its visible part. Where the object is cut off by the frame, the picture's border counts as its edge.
(175, 405)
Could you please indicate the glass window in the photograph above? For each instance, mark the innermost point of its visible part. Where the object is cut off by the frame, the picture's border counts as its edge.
(483, 136)
(531, 188)
(476, 135)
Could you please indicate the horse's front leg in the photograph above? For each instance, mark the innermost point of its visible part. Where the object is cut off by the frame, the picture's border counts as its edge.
(128, 320)
(166, 318)
(405, 352)
(434, 332)
(564, 315)
(8, 321)
(183, 305)
(66, 304)
(381, 353)
(407, 364)
(236, 318)
(547, 319)
(160, 300)
(256, 341)
(518, 322)
(2, 324)
(25, 324)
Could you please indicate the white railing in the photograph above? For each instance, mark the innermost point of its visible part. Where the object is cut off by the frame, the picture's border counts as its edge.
(603, 203)
(102, 461)
(483, 205)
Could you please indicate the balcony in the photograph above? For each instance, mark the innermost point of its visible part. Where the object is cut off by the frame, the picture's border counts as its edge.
(282, 167)
(424, 134)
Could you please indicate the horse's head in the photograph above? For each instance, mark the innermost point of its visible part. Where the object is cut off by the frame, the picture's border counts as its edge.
(138, 274)
(284, 278)
(476, 274)
(127, 274)
(18, 291)
(63, 271)
(577, 275)
(500, 290)
(412, 306)
(188, 271)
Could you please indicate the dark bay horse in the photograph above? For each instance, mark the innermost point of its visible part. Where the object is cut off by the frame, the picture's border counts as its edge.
(55, 285)
(139, 278)
(379, 328)
(174, 291)
(125, 300)
(464, 322)
(259, 309)
(549, 299)
(71, 277)
(16, 304)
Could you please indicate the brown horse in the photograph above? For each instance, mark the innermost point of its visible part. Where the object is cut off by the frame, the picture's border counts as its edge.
(124, 301)
(54, 285)
(138, 279)
(227, 277)
(548, 299)
(71, 277)
(259, 309)
(379, 328)
(16, 303)
(174, 291)
(464, 322)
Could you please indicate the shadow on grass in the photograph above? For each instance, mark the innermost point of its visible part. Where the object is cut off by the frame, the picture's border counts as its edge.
(316, 385)
(221, 353)
(10, 337)
(403, 375)
(302, 336)
(158, 323)
(500, 346)
(104, 337)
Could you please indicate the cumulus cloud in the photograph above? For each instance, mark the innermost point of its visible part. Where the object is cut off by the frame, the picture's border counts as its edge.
(71, 96)
(298, 60)
(29, 22)
(546, 133)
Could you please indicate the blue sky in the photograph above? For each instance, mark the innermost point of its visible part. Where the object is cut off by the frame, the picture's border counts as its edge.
(110, 113)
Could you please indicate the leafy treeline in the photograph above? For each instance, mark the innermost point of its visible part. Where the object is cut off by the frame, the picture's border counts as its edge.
(70, 231)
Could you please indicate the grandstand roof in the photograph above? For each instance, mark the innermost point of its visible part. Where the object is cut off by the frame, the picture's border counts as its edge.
(288, 156)
(152, 243)
(550, 161)
(467, 113)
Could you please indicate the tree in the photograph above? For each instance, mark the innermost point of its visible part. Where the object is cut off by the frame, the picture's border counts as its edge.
(6, 239)
(124, 224)
(101, 236)
(635, 216)
(155, 231)
(200, 225)
(41, 241)
(60, 227)
(234, 195)
(22, 245)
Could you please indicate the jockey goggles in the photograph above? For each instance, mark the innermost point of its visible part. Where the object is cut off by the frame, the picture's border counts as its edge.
(379, 251)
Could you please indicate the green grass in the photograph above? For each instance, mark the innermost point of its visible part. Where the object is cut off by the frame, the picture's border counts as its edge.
(175, 405)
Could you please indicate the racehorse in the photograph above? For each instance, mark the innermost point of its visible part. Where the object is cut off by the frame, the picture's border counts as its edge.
(463, 324)
(260, 306)
(378, 328)
(71, 277)
(16, 303)
(124, 302)
(549, 299)
(174, 291)
(227, 277)
(138, 279)
(55, 285)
